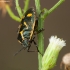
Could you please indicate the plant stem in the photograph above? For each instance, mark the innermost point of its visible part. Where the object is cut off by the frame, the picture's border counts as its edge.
(18, 8)
(37, 4)
(40, 42)
(41, 25)
(40, 35)
(53, 8)
(12, 14)
(26, 5)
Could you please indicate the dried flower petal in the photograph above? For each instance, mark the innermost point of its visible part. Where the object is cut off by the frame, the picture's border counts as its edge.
(66, 61)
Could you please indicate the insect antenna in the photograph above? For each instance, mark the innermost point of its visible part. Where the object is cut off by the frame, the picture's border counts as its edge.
(19, 51)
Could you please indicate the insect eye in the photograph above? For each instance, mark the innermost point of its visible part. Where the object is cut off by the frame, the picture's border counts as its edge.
(29, 15)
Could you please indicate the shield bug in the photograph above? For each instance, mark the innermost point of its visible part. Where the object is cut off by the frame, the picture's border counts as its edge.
(27, 29)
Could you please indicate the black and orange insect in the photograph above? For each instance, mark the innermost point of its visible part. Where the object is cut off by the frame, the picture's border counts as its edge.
(27, 29)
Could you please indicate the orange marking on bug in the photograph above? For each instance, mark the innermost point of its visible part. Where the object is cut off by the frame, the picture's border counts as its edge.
(19, 41)
(21, 32)
(32, 29)
(31, 34)
(26, 25)
(29, 15)
(22, 35)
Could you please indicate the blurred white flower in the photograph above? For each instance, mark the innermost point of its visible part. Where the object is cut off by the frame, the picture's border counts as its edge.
(51, 54)
(57, 41)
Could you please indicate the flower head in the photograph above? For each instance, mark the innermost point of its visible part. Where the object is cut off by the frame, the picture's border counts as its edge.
(50, 56)
(57, 41)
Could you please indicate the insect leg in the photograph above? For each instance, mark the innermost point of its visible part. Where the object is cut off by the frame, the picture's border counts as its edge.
(28, 50)
(36, 31)
(30, 46)
(36, 46)
(30, 42)
(40, 30)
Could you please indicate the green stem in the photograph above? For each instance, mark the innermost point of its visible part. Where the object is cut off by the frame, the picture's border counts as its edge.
(41, 25)
(26, 5)
(40, 35)
(37, 4)
(18, 8)
(53, 8)
(12, 14)
(40, 42)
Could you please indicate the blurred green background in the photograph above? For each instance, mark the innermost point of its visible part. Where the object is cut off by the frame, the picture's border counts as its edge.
(57, 23)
